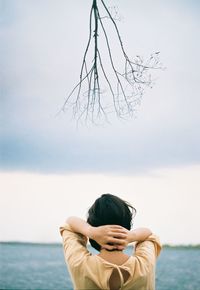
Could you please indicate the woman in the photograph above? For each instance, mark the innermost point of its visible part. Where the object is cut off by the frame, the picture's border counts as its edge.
(108, 229)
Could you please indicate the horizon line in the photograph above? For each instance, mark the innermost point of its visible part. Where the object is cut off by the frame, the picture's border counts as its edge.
(169, 245)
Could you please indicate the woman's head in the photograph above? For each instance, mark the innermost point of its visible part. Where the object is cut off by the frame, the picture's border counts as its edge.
(110, 210)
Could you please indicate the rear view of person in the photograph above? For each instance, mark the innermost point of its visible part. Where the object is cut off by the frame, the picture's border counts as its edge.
(108, 228)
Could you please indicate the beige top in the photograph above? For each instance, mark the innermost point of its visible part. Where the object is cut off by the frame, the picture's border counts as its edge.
(92, 272)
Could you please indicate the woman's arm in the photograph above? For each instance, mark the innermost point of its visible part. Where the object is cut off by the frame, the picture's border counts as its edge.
(116, 235)
(109, 236)
(138, 235)
(79, 226)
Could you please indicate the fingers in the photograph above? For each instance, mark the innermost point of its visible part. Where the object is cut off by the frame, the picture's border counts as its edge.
(109, 247)
(112, 230)
(119, 230)
(116, 227)
(118, 235)
(116, 241)
(113, 247)
(111, 237)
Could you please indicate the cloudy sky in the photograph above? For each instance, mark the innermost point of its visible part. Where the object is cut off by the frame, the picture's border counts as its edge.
(50, 168)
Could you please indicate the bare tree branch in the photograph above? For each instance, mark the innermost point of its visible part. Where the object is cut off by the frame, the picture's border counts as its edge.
(126, 87)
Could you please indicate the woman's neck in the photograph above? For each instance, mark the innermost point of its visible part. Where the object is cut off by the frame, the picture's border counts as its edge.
(114, 257)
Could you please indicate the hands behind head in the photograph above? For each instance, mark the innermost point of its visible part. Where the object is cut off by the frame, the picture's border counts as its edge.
(110, 237)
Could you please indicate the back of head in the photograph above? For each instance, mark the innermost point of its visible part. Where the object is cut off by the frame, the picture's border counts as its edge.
(110, 210)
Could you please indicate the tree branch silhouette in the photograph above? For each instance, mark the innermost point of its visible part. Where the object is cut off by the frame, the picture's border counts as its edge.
(126, 86)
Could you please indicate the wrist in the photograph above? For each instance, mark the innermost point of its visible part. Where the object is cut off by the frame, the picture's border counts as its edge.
(90, 231)
(131, 236)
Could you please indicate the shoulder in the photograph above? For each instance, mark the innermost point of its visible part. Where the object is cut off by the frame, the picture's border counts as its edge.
(149, 249)
(152, 240)
(74, 244)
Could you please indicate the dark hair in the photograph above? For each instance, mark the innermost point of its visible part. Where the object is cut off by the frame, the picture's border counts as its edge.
(110, 210)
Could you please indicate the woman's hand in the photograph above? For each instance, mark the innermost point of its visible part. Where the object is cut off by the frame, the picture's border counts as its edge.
(110, 237)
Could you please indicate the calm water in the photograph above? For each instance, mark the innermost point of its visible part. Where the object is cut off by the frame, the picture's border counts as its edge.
(38, 266)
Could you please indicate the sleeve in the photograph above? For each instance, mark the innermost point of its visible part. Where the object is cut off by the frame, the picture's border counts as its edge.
(149, 249)
(74, 244)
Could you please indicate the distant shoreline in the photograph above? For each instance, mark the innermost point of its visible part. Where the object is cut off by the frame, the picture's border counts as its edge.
(55, 244)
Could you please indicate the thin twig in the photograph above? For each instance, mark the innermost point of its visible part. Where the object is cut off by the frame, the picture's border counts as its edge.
(130, 83)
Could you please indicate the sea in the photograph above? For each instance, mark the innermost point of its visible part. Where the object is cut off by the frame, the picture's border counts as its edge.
(25, 266)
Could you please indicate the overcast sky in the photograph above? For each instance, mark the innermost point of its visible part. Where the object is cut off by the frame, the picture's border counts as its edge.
(153, 158)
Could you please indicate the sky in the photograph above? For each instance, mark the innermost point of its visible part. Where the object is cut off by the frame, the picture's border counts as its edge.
(49, 168)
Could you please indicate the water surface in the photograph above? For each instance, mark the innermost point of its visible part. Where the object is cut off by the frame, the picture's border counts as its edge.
(41, 266)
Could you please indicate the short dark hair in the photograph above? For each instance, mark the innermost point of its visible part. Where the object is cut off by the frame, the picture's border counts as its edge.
(110, 210)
